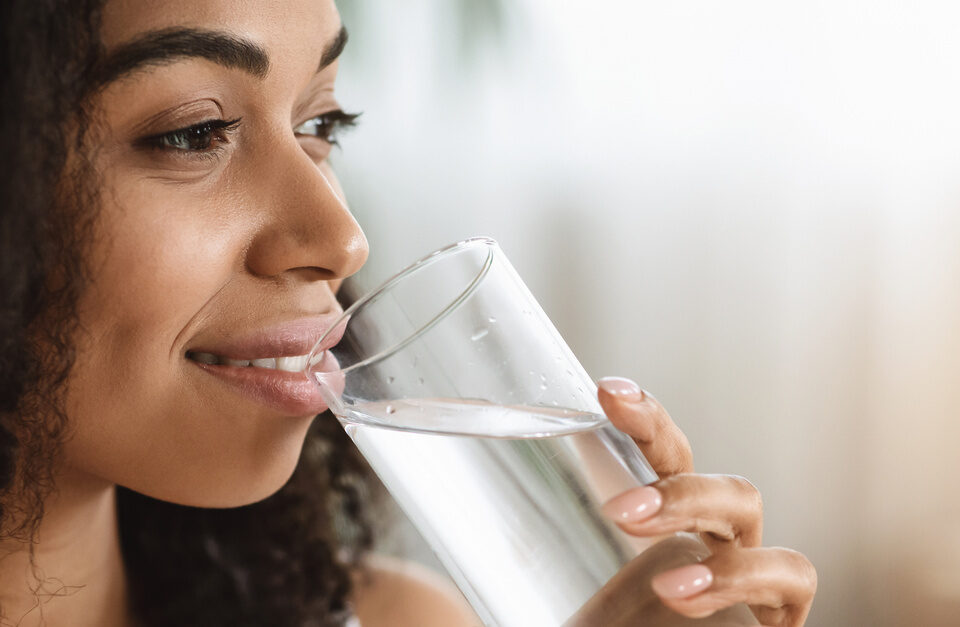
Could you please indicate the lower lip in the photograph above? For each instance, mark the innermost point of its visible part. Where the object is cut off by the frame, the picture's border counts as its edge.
(289, 393)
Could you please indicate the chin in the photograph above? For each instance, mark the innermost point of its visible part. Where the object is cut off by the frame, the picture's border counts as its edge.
(236, 490)
(242, 478)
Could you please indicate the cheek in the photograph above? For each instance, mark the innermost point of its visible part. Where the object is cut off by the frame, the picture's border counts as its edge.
(137, 413)
(156, 262)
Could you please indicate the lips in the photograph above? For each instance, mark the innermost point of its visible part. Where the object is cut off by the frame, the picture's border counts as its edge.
(267, 366)
(289, 339)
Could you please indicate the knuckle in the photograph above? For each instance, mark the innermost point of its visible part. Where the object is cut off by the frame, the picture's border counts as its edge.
(681, 446)
(748, 491)
(808, 571)
(803, 568)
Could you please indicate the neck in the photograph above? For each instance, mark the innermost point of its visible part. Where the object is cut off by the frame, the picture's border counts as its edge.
(73, 573)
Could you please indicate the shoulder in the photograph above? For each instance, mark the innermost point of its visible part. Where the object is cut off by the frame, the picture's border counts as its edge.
(391, 592)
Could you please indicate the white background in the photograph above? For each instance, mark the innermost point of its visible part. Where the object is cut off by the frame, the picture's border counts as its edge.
(752, 208)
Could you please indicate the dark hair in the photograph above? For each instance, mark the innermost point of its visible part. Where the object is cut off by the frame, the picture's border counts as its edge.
(283, 561)
(279, 562)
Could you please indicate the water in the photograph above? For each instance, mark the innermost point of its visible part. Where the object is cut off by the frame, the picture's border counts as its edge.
(509, 497)
(479, 334)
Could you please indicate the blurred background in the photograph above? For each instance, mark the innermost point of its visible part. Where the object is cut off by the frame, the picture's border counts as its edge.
(750, 207)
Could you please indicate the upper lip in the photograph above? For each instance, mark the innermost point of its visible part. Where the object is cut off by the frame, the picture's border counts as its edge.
(291, 338)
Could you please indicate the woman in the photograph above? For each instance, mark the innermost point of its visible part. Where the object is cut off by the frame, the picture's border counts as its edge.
(173, 238)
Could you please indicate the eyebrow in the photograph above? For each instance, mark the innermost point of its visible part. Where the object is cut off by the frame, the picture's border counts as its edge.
(161, 47)
(334, 49)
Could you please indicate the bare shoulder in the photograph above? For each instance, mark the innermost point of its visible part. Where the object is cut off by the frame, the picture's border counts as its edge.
(398, 593)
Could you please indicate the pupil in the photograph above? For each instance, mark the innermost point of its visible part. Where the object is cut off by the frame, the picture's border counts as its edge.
(199, 138)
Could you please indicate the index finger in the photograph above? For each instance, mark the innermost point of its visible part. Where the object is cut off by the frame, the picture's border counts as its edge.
(640, 415)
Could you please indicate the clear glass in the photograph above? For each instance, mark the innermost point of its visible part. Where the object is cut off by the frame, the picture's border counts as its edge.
(486, 430)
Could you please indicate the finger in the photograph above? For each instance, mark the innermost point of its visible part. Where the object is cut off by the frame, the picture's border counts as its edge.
(726, 509)
(639, 415)
(778, 584)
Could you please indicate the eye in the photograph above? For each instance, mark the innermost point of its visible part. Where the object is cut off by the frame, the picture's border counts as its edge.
(200, 137)
(327, 126)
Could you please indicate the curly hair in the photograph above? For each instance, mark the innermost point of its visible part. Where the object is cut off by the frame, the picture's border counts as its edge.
(47, 51)
(278, 562)
(283, 561)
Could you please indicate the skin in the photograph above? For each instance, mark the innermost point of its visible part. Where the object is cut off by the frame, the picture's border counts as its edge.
(726, 512)
(194, 249)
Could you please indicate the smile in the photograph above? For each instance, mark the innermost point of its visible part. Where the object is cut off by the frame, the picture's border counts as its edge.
(268, 365)
(297, 363)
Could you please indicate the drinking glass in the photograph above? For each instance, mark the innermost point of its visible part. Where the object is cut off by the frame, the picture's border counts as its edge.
(487, 431)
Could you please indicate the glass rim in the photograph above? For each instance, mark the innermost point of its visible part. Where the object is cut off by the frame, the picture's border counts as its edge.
(384, 287)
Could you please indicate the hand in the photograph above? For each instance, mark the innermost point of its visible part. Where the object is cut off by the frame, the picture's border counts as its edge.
(778, 584)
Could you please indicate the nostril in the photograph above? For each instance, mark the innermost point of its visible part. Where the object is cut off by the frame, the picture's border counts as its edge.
(312, 273)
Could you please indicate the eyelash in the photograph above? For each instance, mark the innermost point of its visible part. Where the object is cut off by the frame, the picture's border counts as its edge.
(203, 138)
(199, 138)
(327, 125)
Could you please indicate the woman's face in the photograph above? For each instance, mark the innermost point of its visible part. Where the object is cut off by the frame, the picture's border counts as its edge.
(222, 234)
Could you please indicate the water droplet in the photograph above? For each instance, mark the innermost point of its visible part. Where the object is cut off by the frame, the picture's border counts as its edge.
(420, 380)
(570, 373)
(543, 378)
(492, 320)
(555, 403)
(579, 389)
(479, 334)
(390, 379)
(391, 409)
(543, 386)
(530, 372)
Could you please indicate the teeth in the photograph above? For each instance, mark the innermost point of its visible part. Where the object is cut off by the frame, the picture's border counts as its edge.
(287, 364)
(292, 364)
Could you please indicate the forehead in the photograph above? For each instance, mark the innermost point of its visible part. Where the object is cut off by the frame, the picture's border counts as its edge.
(280, 26)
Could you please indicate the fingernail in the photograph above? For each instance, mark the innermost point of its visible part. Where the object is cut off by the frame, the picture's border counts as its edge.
(621, 387)
(634, 505)
(682, 583)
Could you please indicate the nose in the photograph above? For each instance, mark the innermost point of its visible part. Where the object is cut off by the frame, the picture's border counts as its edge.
(305, 228)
